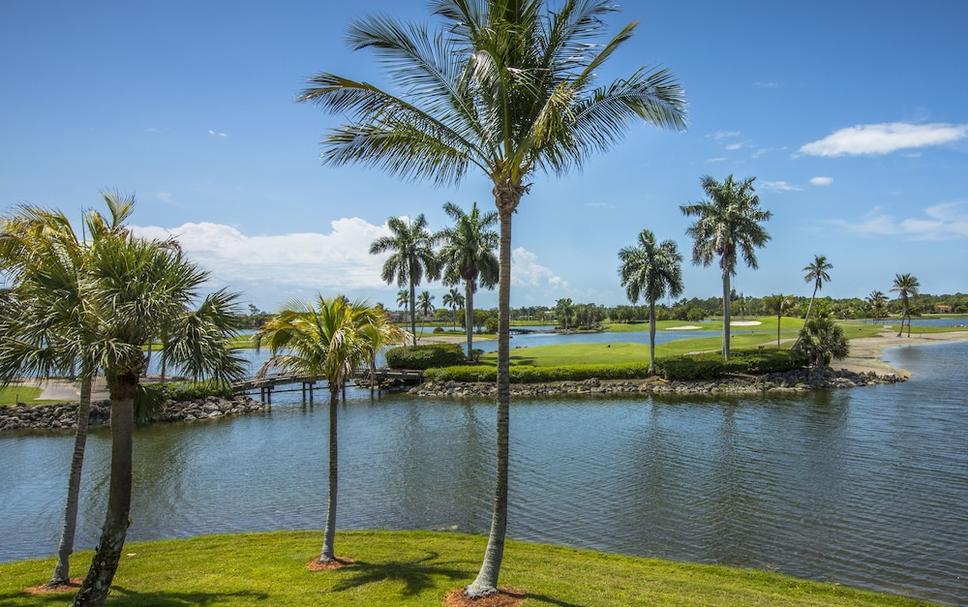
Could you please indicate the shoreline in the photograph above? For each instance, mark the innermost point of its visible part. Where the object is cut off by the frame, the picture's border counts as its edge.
(867, 353)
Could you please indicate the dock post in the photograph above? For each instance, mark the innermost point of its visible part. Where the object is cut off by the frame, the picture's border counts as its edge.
(312, 386)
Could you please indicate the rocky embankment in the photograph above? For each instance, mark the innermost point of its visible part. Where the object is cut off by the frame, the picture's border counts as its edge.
(64, 416)
(801, 380)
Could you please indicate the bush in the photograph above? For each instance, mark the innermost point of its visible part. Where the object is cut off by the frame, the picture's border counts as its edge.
(438, 329)
(712, 366)
(491, 324)
(424, 357)
(820, 341)
(150, 399)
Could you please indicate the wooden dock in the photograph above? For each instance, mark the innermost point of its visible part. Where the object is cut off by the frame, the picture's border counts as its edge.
(308, 384)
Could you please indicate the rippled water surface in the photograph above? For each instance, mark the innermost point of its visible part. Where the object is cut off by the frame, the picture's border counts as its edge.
(867, 487)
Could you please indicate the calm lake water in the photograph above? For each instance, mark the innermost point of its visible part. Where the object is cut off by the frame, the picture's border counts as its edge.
(868, 487)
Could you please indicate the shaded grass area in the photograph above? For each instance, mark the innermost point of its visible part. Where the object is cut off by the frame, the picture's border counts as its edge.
(418, 568)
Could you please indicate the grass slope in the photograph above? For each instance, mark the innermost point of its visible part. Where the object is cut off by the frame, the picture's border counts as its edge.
(418, 568)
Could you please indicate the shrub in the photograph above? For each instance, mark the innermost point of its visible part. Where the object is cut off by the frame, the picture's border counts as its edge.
(712, 366)
(438, 329)
(491, 324)
(820, 341)
(150, 400)
(424, 357)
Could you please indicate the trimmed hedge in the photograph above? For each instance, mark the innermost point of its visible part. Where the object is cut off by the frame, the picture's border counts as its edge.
(425, 357)
(712, 366)
(704, 366)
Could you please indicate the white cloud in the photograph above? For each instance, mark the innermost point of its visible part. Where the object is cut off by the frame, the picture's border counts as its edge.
(821, 181)
(526, 271)
(765, 84)
(884, 138)
(735, 146)
(779, 186)
(716, 159)
(217, 133)
(759, 152)
(939, 222)
(720, 135)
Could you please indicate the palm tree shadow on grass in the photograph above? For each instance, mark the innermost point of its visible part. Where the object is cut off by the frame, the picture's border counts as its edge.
(416, 575)
(121, 597)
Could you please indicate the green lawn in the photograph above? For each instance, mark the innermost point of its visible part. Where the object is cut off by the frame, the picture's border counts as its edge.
(12, 395)
(418, 568)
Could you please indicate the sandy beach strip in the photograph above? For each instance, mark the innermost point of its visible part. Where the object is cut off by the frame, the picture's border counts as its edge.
(866, 353)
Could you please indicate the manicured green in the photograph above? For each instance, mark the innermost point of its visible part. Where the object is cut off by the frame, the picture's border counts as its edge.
(12, 395)
(418, 568)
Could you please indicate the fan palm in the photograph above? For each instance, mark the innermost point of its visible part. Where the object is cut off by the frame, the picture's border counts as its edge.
(467, 253)
(46, 326)
(412, 257)
(906, 286)
(652, 271)
(455, 301)
(329, 338)
(820, 341)
(777, 304)
(506, 87)
(425, 301)
(876, 302)
(727, 225)
(816, 272)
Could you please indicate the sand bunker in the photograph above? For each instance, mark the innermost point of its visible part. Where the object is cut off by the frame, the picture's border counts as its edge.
(744, 323)
(684, 328)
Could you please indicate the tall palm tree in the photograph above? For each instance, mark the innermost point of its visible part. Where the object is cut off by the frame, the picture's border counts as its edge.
(46, 327)
(653, 271)
(906, 286)
(425, 301)
(727, 225)
(455, 301)
(412, 247)
(467, 253)
(329, 339)
(506, 87)
(777, 303)
(564, 308)
(816, 272)
(876, 302)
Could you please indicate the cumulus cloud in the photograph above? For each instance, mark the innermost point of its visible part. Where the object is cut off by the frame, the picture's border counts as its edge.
(337, 260)
(939, 222)
(526, 271)
(779, 186)
(884, 138)
(217, 133)
(821, 181)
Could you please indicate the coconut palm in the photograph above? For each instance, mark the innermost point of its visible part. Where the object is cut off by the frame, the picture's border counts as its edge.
(46, 327)
(653, 271)
(504, 87)
(467, 253)
(816, 272)
(564, 308)
(127, 289)
(455, 301)
(403, 298)
(727, 225)
(425, 302)
(329, 338)
(876, 302)
(379, 333)
(412, 257)
(906, 286)
(777, 304)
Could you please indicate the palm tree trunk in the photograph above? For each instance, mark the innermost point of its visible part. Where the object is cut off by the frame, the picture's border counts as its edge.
(329, 534)
(413, 311)
(651, 337)
(778, 315)
(469, 315)
(486, 582)
(810, 306)
(726, 303)
(95, 588)
(62, 574)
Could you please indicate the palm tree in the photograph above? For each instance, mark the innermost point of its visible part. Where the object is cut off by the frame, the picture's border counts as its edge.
(46, 327)
(508, 88)
(653, 271)
(727, 225)
(329, 339)
(426, 304)
(777, 303)
(455, 301)
(379, 333)
(816, 272)
(876, 301)
(820, 341)
(467, 254)
(403, 298)
(412, 257)
(564, 308)
(127, 289)
(906, 286)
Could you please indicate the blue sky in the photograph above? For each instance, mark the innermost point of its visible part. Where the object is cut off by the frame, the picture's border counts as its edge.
(853, 117)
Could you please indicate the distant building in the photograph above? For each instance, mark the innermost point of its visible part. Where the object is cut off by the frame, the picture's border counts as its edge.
(942, 309)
